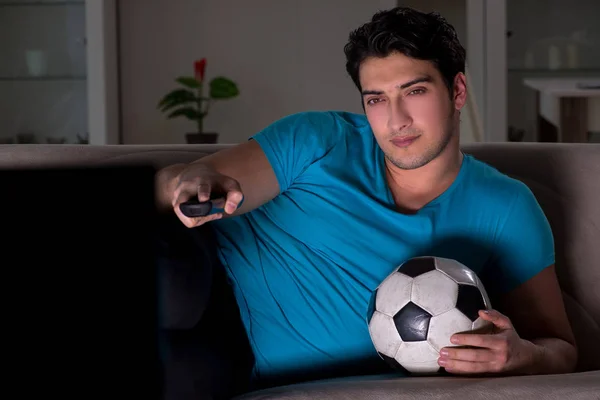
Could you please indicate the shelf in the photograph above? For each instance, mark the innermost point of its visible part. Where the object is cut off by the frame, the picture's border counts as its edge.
(42, 3)
(565, 87)
(68, 78)
(561, 72)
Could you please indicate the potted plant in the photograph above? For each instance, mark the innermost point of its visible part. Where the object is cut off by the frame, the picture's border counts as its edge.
(190, 102)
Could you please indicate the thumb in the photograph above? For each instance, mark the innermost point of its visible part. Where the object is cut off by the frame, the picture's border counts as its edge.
(500, 320)
(234, 195)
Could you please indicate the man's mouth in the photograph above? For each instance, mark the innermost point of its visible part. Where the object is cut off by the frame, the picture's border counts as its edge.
(404, 141)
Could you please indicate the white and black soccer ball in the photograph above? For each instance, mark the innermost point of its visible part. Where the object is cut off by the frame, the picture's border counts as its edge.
(418, 307)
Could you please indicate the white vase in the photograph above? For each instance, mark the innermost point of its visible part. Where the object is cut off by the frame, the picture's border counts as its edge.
(572, 56)
(36, 62)
(554, 57)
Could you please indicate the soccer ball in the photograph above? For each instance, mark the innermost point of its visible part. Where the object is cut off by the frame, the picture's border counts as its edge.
(418, 307)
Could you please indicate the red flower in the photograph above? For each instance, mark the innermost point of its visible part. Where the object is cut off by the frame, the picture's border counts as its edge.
(199, 68)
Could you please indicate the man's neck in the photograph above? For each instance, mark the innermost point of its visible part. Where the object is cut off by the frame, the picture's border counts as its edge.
(413, 189)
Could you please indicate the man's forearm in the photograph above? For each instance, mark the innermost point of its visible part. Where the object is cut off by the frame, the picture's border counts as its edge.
(552, 356)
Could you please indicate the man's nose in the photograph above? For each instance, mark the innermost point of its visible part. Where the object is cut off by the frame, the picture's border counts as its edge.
(399, 117)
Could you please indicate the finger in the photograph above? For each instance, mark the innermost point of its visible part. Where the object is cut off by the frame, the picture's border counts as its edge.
(184, 191)
(209, 218)
(234, 195)
(188, 222)
(194, 222)
(467, 354)
(182, 194)
(497, 318)
(233, 201)
(483, 341)
(203, 190)
(466, 367)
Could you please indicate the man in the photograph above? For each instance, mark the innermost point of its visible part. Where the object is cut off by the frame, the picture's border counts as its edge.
(334, 201)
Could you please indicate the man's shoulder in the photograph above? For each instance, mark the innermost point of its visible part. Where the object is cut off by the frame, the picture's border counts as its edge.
(522, 238)
(325, 119)
(487, 173)
(313, 130)
(316, 128)
(295, 142)
(495, 188)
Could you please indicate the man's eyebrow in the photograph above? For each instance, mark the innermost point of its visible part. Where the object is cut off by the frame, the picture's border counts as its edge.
(425, 78)
(374, 92)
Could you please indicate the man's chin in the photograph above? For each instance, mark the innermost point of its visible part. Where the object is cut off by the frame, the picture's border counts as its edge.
(407, 162)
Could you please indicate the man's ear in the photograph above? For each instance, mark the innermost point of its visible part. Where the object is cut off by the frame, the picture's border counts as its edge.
(459, 97)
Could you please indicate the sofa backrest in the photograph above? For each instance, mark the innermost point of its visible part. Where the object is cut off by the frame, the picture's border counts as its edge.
(565, 178)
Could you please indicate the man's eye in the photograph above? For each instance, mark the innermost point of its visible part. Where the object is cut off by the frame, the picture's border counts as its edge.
(417, 91)
(373, 101)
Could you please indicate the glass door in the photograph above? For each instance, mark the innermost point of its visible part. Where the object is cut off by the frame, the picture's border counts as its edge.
(43, 72)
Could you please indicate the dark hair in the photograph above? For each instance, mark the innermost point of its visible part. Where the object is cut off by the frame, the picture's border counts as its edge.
(424, 36)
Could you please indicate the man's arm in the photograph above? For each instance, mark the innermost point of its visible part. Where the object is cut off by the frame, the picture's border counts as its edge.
(538, 314)
(533, 336)
(260, 168)
(531, 332)
(246, 163)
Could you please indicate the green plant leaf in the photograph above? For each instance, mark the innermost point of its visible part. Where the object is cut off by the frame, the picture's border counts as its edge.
(188, 81)
(223, 88)
(177, 97)
(188, 112)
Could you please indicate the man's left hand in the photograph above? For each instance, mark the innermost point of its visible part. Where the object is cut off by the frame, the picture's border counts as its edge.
(499, 352)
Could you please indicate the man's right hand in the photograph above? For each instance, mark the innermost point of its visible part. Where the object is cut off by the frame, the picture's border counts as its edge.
(201, 181)
(224, 177)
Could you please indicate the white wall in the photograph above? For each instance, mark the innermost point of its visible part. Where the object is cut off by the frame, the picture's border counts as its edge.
(455, 13)
(286, 56)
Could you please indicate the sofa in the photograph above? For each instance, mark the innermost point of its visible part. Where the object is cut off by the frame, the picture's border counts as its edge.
(564, 177)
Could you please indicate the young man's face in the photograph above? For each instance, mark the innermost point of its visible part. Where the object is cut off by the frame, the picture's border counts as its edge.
(409, 108)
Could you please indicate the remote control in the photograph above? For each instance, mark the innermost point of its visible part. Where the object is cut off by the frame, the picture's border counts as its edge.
(194, 208)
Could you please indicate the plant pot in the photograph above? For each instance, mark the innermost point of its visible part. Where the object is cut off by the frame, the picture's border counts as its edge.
(201, 138)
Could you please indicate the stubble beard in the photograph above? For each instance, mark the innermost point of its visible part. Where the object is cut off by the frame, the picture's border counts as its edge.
(430, 153)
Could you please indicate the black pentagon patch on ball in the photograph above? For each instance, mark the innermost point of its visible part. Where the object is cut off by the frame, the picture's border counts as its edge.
(371, 308)
(394, 364)
(412, 323)
(470, 301)
(417, 266)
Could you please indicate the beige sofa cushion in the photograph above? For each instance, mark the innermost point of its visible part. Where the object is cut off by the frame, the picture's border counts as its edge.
(565, 178)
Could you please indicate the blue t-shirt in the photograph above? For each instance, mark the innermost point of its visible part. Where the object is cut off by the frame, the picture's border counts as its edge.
(303, 266)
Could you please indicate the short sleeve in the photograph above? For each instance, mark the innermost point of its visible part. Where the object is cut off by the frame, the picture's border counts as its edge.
(294, 142)
(525, 245)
